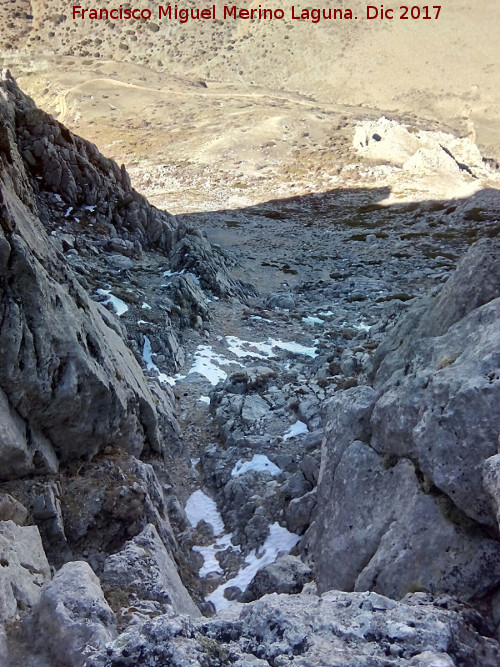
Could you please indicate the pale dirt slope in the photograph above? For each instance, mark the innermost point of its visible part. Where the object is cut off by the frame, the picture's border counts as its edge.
(445, 69)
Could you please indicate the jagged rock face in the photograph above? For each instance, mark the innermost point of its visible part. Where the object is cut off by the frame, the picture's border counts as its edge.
(144, 570)
(70, 386)
(24, 569)
(72, 617)
(337, 629)
(401, 501)
(73, 168)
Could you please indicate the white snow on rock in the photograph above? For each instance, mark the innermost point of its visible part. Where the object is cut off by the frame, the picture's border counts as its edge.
(299, 428)
(279, 540)
(205, 399)
(262, 319)
(359, 326)
(170, 273)
(146, 306)
(259, 463)
(119, 306)
(207, 363)
(170, 379)
(265, 349)
(210, 562)
(294, 348)
(147, 356)
(310, 319)
(201, 507)
(247, 348)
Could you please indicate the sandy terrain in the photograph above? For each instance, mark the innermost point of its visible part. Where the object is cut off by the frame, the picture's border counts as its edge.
(267, 80)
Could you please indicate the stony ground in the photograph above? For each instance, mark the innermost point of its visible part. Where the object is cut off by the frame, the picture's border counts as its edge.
(341, 222)
(332, 268)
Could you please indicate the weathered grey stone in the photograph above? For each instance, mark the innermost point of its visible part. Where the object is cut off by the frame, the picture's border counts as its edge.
(72, 617)
(4, 649)
(287, 575)
(412, 492)
(475, 283)
(384, 530)
(283, 301)
(300, 511)
(335, 630)
(144, 568)
(431, 659)
(347, 418)
(12, 510)
(23, 568)
(254, 408)
(456, 374)
(14, 453)
(491, 481)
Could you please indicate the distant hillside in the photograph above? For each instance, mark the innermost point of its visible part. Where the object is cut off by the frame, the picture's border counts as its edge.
(443, 68)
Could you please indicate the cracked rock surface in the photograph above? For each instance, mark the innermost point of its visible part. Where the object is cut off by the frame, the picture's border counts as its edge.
(196, 470)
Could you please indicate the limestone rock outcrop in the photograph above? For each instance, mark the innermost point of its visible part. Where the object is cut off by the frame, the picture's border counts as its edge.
(144, 569)
(69, 385)
(72, 618)
(334, 630)
(416, 151)
(23, 568)
(402, 505)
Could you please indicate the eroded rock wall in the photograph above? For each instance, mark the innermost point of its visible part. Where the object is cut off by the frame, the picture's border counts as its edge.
(402, 505)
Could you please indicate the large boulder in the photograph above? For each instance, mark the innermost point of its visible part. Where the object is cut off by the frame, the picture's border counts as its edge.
(23, 569)
(72, 618)
(144, 570)
(402, 503)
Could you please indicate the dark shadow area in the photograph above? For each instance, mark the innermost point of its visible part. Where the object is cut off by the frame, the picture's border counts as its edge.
(305, 241)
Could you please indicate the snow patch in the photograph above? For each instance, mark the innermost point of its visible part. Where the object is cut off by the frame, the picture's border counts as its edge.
(295, 348)
(119, 306)
(206, 363)
(279, 540)
(210, 562)
(310, 319)
(147, 356)
(200, 507)
(265, 349)
(259, 463)
(170, 273)
(299, 428)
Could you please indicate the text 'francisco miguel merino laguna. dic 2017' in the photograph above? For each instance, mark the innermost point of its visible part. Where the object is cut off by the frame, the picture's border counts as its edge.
(183, 15)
